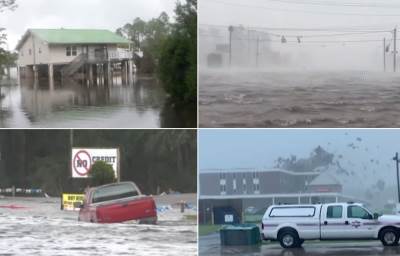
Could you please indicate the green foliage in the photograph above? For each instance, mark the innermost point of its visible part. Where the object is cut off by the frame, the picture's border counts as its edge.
(178, 58)
(147, 37)
(6, 58)
(156, 160)
(101, 173)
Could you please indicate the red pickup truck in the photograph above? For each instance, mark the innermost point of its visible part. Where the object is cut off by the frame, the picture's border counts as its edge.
(117, 202)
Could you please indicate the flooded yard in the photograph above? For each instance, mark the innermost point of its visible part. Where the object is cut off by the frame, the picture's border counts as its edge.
(299, 99)
(142, 104)
(41, 228)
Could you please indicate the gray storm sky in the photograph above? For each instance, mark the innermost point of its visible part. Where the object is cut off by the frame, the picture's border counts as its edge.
(107, 14)
(367, 152)
(289, 13)
(364, 52)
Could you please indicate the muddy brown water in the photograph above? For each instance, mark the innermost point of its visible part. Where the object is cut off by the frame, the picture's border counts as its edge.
(299, 99)
(72, 104)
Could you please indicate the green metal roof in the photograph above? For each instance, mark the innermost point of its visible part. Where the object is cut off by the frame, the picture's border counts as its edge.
(77, 36)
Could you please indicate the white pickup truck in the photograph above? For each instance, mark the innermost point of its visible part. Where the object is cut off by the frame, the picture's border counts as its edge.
(292, 224)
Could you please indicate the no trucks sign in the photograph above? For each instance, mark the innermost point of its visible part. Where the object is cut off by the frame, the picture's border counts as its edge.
(84, 158)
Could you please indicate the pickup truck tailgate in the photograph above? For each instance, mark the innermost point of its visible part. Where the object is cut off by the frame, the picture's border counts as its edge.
(124, 210)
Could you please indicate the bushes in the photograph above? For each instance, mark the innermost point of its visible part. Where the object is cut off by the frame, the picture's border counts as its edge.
(101, 173)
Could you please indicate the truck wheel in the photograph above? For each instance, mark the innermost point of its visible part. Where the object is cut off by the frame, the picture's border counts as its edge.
(289, 239)
(389, 237)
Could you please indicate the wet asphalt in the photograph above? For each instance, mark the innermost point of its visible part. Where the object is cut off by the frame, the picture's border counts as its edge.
(210, 245)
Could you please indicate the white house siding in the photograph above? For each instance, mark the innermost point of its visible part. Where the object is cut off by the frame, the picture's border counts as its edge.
(58, 54)
(39, 52)
(53, 54)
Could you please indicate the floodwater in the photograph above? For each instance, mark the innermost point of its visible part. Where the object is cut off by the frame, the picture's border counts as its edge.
(243, 98)
(210, 245)
(143, 104)
(43, 229)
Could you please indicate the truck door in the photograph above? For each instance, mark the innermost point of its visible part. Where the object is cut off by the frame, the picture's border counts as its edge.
(359, 223)
(332, 222)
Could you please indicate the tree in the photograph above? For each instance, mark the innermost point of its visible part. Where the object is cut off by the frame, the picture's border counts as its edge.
(101, 173)
(7, 4)
(6, 58)
(147, 36)
(178, 58)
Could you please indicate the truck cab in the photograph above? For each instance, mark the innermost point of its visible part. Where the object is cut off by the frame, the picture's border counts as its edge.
(291, 225)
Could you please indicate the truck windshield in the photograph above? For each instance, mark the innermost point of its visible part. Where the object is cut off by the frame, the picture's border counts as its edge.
(355, 211)
(113, 192)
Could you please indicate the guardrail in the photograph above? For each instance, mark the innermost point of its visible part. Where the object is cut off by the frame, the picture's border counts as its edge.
(13, 191)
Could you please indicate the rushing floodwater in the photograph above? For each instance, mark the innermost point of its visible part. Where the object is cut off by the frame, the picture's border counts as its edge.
(43, 229)
(143, 104)
(299, 99)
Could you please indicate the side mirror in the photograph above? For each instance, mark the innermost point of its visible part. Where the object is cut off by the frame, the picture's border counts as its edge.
(376, 216)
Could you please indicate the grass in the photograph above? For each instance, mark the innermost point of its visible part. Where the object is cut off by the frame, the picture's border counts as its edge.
(254, 219)
(208, 229)
(192, 217)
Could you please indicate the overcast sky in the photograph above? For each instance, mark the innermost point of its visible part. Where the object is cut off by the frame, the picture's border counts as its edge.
(342, 15)
(300, 13)
(108, 14)
(232, 148)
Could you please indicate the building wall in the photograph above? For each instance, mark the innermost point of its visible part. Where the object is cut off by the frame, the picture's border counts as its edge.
(58, 53)
(39, 52)
(42, 53)
(239, 183)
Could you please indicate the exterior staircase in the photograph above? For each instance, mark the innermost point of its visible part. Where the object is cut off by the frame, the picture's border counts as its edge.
(74, 65)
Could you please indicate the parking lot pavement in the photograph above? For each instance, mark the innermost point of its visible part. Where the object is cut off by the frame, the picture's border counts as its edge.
(210, 245)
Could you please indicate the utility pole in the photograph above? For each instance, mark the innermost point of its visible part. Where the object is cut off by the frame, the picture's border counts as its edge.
(230, 44)
(394, 48)
(396, 158)
(384, 54)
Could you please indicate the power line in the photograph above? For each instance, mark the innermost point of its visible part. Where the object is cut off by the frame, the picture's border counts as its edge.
(324, 3)
(331, 29)
(289, 41)
(302, 11)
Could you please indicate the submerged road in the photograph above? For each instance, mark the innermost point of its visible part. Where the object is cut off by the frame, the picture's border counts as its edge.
(298, 99)
(210, 245)
(37, 226)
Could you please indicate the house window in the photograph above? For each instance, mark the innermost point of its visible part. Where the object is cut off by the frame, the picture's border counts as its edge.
(68, 50)
(74, 50)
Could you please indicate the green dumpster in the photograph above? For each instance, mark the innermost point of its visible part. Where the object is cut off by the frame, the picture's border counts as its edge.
(244, 234)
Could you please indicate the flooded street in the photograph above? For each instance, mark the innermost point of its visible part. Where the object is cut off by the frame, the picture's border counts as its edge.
(143, 104)
(299, 99)
(209, 245)
(41, 228)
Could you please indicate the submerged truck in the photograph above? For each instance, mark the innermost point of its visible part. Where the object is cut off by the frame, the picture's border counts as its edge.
(291, 225)
(117, 202)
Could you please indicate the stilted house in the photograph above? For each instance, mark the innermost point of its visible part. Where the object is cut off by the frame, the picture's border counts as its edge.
(66, 52)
